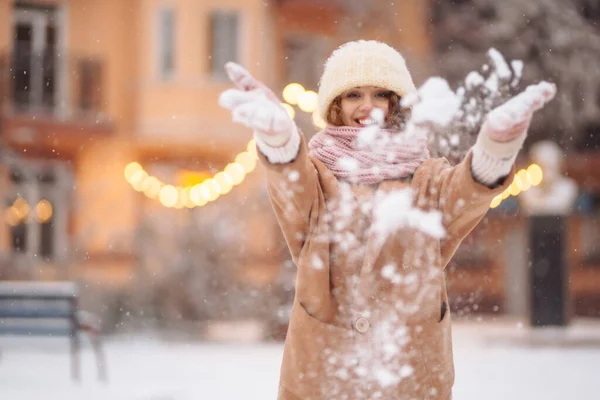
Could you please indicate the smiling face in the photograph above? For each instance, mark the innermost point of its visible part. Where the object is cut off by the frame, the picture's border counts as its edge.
(357, 103)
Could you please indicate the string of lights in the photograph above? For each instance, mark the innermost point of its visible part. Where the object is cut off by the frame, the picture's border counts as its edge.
(197, 195)
(211, 188)
(523, 181)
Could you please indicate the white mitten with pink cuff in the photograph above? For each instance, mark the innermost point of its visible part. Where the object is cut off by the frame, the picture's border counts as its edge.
(504, 131)
(256, 106)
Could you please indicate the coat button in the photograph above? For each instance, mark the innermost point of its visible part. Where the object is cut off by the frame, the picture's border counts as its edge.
(362, 325)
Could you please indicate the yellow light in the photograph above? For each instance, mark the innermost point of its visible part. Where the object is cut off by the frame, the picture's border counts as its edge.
(292, 91)
(207, 188)
(204, 188)
(180, 199)
(137, 180)
(229, 178)
(43, 210)
(536, 174)
(184, 198)
(247, 162)
(168, 196)
(216, 188)
(236, 172)
(290, 110)
(131, 169)
(12, 216)
(518, 183)
(21, 208)
(194, 193)
(524, 176)
(308, 101)
(191, 178)
(317, 120)
(514, 189)
(151, 187)
(496, 201)
(506, 194)
(186, 193)
(251, 148)
(224, 182)
(196, 196)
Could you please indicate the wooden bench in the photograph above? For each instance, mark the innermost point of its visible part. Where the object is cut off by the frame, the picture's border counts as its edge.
(49, 309)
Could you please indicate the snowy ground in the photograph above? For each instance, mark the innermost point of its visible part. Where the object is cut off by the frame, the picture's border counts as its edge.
(494, 360)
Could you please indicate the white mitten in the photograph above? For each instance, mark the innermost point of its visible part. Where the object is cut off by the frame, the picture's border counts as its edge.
(256, 106)
(511, 119)
(504, 131)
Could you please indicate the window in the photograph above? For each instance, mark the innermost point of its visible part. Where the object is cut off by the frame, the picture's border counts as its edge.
(224, 41)
(35, 53)
(37, 210)
(166, 42)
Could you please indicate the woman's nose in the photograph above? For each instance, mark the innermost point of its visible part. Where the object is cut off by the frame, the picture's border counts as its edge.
(367, 105)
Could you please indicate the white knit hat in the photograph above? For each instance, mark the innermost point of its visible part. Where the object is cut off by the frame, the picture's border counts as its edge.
(363, 63)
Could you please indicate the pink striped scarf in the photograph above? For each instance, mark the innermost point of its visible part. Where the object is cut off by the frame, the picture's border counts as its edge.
(385, 155)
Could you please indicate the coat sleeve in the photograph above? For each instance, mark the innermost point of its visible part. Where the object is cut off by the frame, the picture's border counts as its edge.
(294, 189)
(462, 200)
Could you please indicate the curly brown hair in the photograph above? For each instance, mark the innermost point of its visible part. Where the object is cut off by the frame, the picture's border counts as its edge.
(396, 118)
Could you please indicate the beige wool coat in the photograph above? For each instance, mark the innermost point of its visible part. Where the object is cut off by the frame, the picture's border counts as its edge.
(370, 319)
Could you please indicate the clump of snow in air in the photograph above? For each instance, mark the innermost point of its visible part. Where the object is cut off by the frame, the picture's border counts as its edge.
(349, 163)
(390, 273)
(394, 210)
(294, 176)
(378, 116)
(385, 377)
(502, 68)
(436, 103)
(492, 84)
(406, 371)
(454, 140)
(370, 136)
(517, 66)
(342, 374)
(473, 79)
(438, 112)
(367, 137)
(317, 263)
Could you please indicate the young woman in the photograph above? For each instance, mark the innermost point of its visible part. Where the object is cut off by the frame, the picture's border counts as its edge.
(370, 318)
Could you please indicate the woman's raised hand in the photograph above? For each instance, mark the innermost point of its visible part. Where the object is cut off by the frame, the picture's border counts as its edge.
(511, 119)
(256, 106)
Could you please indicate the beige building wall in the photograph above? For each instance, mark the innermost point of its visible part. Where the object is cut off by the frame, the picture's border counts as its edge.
(107, 29)
(185, 107)
(105, 204)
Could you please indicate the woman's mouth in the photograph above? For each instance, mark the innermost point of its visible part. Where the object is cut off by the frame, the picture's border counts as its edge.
(365, 121)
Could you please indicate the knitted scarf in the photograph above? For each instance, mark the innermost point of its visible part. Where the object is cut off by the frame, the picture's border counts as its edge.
(368, 155)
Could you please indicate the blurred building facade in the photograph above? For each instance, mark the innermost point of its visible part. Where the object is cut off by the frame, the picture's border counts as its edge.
(105, 103)
(88, 88)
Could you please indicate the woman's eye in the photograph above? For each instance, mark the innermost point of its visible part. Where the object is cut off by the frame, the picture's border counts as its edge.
(383, 95)
(353, 95)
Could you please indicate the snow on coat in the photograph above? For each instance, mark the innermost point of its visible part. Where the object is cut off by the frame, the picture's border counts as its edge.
(370, 318)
